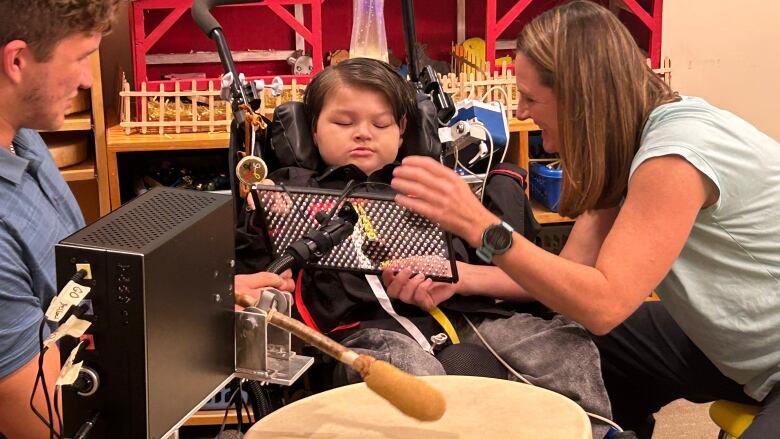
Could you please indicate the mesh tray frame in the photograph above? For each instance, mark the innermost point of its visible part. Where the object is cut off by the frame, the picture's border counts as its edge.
(385, 233)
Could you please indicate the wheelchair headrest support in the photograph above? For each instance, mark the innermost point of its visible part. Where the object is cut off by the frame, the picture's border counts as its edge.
(292, 144)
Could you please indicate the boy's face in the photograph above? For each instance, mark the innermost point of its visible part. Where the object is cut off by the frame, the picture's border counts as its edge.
(357, 126)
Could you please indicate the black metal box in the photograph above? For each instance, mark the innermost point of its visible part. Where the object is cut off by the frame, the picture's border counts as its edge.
(162, 320)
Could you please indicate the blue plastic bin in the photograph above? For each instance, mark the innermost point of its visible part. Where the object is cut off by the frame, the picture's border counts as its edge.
(546, 185)
(220, 402)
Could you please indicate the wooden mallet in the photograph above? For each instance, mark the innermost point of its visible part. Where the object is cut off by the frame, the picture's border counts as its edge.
(406, 392)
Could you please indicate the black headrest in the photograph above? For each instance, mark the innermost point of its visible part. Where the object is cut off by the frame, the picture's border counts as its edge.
(291, 143)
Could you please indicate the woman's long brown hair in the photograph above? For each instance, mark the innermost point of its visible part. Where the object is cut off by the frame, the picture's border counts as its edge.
(605, 91)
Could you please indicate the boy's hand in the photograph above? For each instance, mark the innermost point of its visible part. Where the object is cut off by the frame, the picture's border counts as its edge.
(250, 202)
(252, 285)
(278, 202)
(417, 290)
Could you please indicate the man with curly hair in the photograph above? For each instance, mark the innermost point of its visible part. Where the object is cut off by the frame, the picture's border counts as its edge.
(45, 46)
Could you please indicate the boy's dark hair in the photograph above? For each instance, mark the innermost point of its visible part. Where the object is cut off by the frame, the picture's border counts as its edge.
(363, 73)
(42, 24)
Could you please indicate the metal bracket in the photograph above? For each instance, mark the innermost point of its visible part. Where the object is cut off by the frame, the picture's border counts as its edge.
(461, 134)
(264, 352)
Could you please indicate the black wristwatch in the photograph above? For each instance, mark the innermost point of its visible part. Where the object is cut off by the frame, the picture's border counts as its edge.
(496, 240)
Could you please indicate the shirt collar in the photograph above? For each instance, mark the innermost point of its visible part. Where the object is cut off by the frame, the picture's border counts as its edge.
(352, 172)
(12, 166)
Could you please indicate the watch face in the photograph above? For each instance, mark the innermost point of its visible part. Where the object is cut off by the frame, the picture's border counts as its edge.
(497, 237)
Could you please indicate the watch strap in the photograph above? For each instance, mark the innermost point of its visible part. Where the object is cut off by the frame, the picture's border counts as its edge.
(485, 252)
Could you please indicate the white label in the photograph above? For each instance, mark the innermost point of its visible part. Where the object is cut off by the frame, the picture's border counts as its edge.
(73, 293)
(57, 310)
(69, 374)
(73, 327)
(70, 371)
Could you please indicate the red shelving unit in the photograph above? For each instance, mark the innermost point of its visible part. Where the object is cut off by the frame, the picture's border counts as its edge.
(648, 12)
(145, 36)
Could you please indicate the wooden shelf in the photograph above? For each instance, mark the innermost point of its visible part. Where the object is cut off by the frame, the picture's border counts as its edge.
(545, 216)
(78, 122)
(214, 417)
(118, 141)
(80, 171)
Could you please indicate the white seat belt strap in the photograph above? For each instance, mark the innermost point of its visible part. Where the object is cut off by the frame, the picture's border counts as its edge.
(381, 296)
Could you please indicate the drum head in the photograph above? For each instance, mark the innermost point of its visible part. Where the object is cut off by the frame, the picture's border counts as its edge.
(476, 408)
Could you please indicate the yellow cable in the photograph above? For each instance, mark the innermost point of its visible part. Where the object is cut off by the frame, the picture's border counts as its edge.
(445, 324)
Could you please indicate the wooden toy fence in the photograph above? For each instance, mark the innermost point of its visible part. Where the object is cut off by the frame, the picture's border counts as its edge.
(173, 111)
(191, 110)
(500, 85)
(497, 86)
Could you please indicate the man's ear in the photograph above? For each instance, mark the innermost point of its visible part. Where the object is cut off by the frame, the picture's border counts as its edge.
(14, 60)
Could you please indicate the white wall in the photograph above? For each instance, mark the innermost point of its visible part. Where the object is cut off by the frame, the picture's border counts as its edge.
(727, 52)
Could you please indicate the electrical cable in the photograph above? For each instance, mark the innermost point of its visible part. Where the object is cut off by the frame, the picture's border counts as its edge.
(227, 409)
(490, 159)
(42, 351)
(349, 190)
(57, 407)
(496, 87)
(457, 163)
(248, 414)
(471, 92)
(239, 403)
(521, 377)
(86, 427)
(41, 376)
(290, 196)
(336, 205)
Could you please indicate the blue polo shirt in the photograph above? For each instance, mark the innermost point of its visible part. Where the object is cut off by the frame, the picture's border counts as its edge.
(37, 210)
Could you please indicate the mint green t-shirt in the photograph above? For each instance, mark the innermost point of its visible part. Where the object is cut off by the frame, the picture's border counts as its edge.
(724, 288)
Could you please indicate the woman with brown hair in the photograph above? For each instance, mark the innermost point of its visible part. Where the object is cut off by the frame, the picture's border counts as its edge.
(669, 194)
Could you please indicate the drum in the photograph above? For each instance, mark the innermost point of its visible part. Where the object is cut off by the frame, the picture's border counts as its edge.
(476, 408)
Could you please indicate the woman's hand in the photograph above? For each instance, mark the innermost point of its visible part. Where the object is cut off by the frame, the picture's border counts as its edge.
(417, 290)
(434, 191)
(252, 285)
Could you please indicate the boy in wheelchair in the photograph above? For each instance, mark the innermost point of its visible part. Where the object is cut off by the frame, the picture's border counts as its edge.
(357, 119)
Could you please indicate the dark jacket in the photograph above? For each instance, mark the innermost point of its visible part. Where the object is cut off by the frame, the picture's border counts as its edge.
(337, 301)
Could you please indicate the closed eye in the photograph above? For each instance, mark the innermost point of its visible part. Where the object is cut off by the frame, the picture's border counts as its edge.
(383, 122)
